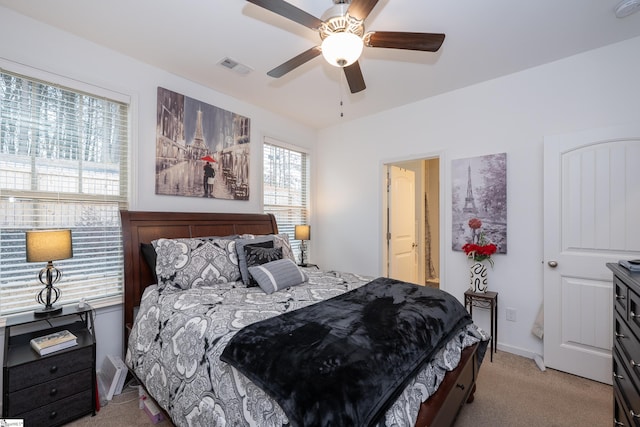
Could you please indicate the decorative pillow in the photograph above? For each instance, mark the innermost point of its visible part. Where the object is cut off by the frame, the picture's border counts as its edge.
(282, 241)
(258, 254)
(190, 263)
(149, 255)
(247, 239)
(276, 275)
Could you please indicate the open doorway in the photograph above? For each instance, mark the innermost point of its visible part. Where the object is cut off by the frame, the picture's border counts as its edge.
(412, 213)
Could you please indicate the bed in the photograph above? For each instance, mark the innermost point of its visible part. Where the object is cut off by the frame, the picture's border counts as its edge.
(224, 394)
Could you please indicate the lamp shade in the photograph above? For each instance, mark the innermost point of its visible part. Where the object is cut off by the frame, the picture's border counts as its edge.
(302, 232)
(342, 49)
(48, 245)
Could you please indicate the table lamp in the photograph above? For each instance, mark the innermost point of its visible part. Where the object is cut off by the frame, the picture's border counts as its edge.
(302, 233)
(48, 246)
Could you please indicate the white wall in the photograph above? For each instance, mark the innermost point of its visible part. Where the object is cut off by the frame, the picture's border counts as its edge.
(28, 42)
(512, 114)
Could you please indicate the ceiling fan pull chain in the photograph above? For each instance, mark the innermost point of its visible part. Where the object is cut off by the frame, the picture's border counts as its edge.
(340, 92)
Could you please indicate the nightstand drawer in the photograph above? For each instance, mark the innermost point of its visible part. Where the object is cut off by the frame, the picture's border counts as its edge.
(49, 368)
(43, 394)
(60, 412)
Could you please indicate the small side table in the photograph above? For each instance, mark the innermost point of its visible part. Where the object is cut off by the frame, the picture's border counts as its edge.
(488, 300)
(56, 388)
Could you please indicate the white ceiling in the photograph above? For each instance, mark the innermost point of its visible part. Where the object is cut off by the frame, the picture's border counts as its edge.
(485, 39)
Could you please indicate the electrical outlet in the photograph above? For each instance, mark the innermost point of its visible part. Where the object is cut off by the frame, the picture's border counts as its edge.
(511, 314)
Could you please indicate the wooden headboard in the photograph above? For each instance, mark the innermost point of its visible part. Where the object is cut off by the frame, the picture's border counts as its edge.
(143, 227)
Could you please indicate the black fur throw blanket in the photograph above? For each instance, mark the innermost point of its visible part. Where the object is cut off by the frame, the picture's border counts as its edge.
(343, 361)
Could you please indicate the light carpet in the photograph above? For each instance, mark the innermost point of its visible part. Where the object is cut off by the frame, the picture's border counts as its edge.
(511, 391)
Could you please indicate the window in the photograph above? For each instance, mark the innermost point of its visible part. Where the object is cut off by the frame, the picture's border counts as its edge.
(286, 187)
(63, 164)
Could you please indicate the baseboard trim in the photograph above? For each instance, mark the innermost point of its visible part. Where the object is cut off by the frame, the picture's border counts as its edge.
(517, 351)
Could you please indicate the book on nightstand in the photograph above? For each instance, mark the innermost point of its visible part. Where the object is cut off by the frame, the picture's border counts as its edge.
(53, 342)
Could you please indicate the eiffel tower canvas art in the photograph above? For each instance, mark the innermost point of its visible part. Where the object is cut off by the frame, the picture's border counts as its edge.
(479, 192)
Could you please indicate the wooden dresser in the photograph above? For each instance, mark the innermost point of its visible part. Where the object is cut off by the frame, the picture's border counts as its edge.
(54, 389)
(626, 346)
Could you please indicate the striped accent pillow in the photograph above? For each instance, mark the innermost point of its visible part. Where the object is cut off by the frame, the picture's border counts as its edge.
(276, 275)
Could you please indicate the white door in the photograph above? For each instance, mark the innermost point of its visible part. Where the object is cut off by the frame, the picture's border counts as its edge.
(591, 212)
(402, 234)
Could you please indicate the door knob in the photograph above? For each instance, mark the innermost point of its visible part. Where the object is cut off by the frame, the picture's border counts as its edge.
(553, 264)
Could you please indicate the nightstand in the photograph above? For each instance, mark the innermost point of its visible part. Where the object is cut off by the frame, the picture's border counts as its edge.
(487, 300)
(54, 389)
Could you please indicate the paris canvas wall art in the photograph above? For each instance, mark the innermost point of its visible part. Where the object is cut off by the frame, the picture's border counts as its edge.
(479, 201)
(201, 150)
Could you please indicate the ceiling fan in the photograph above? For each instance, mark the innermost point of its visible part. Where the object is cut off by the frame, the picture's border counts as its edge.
(341, 30)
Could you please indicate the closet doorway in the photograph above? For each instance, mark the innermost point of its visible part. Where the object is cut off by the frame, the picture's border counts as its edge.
(412, 221)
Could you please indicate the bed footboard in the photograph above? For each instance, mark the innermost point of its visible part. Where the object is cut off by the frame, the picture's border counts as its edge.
(458, 387)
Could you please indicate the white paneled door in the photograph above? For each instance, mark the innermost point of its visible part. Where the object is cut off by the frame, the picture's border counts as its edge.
(402, 229)
(591, 217)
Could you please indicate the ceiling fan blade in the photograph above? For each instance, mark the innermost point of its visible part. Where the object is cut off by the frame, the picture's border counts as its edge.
(360, 9)
(289, 11)
(354, 77)
(429, 42)
(295, 62)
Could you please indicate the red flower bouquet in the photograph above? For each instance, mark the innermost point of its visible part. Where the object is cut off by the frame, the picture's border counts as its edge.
(483, 249)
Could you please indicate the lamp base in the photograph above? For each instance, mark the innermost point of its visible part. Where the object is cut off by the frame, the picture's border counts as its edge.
(47, 311)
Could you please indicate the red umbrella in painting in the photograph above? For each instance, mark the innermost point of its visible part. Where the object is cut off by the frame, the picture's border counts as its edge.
(208, 159)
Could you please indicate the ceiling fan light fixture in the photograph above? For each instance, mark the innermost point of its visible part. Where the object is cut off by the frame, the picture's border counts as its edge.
(342, 49)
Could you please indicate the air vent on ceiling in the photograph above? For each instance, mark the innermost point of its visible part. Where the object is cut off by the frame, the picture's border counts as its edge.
(234, 65)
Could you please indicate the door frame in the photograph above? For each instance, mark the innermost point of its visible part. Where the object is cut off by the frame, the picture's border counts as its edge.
(384, 217)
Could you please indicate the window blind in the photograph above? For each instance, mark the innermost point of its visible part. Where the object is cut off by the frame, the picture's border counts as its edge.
(63, 164)
(286, 187)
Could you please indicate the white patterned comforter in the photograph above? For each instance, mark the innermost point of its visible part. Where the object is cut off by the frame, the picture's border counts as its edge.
(178, 336)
